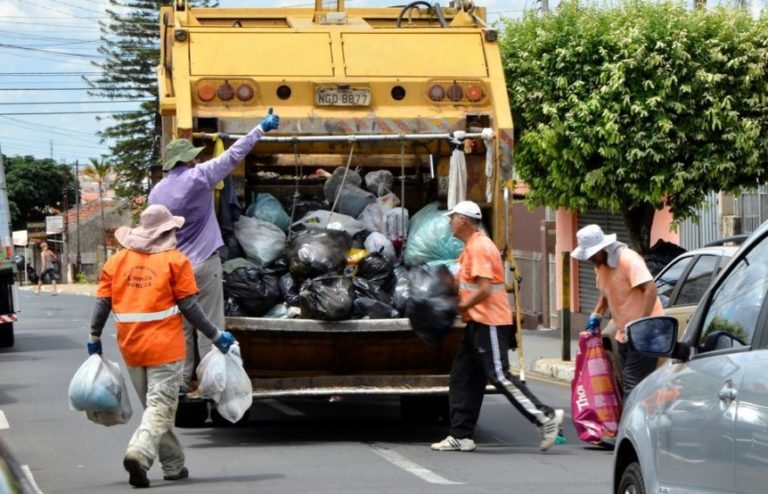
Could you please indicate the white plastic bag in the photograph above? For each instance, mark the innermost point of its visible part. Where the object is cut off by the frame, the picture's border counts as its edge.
(322, 220)
(262, 241)
(378, 243)
(99, 390)
(223, 378)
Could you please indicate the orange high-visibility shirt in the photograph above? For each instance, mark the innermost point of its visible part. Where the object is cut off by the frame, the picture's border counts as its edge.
(144, 289)
(481, 258)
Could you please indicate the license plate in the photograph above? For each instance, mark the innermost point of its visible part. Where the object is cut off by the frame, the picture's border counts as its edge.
(331, 96)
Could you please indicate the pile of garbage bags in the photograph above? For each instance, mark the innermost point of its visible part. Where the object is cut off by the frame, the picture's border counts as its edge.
(358, 256)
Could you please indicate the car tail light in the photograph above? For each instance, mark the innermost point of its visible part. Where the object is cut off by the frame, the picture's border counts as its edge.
(436, 92)
(225, 92)
(474, 93)
(244, 92)
(206, 91)
(455, 92)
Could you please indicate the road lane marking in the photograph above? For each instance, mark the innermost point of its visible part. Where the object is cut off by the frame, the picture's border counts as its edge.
(404, 463)
(3, 421)
(28, 472)
(282, 407)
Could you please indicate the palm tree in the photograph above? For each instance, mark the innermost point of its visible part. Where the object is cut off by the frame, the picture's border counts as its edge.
(98, 171)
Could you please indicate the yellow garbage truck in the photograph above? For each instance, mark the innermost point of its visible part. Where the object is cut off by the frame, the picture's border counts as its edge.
(398, 88)
(8, 290)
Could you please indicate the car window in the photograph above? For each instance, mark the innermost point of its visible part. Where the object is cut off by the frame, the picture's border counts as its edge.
(697, 281)
(733, 311)
(667, 280)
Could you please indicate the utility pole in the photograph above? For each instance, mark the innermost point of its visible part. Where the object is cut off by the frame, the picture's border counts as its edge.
(65, 241)
(78, 266)
(544, 5)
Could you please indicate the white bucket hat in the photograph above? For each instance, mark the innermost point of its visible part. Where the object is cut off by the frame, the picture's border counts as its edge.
(156, 232)
(466, 208)
(591, 241)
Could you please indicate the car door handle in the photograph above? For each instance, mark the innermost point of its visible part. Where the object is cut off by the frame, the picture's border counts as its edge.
(727, 392)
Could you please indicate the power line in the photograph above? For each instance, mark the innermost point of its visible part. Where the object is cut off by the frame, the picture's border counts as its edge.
(65, 112)
(26, 124)
(47, 74)
(49, 52)
(77, 102)
(71, 89)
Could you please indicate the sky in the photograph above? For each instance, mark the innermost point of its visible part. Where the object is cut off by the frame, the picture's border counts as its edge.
(47, 46)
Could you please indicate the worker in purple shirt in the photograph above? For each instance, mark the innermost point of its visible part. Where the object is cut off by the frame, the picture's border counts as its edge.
(187, 190)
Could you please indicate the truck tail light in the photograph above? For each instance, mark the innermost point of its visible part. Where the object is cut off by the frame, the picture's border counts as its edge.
(474, 93)
(455, 92)
(206, 91)
(244, 92)
(436, 92)
(225, 92)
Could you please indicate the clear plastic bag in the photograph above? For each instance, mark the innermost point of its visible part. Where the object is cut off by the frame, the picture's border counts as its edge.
(267, 208)
(262, 241)
(224, 380)
(430, 239)
(99, 390)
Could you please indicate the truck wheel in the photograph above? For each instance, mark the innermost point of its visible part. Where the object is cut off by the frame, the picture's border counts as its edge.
(6, 335)
(219, 421)
(424, 409)
(631, 480)
(191, 414)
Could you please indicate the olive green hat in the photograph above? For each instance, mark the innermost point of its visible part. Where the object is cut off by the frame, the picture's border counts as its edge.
(179, 150)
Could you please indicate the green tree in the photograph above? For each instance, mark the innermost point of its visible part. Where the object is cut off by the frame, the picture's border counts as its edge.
(130, 42)
(99, 171)
(36, 188)
(634, 107)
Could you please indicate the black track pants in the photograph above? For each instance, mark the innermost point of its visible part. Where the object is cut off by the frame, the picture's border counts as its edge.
(635, 367)
(482, 357)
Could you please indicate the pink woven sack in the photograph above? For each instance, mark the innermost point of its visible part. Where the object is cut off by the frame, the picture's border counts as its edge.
(595, 398)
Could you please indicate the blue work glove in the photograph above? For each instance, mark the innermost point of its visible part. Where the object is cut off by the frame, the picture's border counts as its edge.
(94, 346)
(270, 122)
(593, 323)
(224, 341)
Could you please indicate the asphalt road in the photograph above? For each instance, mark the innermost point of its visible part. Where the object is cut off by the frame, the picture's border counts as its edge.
(289, 446)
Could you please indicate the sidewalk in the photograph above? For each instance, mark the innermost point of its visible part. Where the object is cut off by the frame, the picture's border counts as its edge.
(542, 347)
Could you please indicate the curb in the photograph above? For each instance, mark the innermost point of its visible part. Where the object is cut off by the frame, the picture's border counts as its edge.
(554, 368)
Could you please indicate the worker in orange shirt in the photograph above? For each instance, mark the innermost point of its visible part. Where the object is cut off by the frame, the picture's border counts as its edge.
(148, 286)
(482, 355)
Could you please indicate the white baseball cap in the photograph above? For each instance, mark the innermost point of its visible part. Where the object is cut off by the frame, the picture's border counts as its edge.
(591, 241)
(466, 208)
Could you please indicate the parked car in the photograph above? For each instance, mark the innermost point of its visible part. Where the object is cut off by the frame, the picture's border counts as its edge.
(681, 285)
(699, 423)
(13, 479)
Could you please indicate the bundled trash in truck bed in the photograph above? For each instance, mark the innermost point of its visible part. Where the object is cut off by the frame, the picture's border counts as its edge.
(351, 253)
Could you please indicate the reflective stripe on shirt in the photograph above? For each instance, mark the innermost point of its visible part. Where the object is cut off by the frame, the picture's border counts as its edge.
(147, 316)
(495, 287)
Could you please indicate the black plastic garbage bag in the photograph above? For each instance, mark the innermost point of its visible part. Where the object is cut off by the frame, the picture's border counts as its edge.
(315, 253)
(433, 304)
(362, 288)
(232, 308)
(378, 270)
(232, 248)
(660, 255)
(370, 308)
(328, 298)
(278, 267)
(331, 186)
(401, 291)
(289, 289)
(255, 291)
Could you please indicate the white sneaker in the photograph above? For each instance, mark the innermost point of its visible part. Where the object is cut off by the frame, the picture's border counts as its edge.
(450, 443)
(550, 429)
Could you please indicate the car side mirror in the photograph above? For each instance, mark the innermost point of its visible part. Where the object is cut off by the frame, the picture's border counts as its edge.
(653, 335)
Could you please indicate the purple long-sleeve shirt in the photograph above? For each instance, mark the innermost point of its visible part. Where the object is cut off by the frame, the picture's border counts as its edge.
(188, 192)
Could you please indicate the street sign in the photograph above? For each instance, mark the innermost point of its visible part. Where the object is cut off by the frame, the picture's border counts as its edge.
(54, 224)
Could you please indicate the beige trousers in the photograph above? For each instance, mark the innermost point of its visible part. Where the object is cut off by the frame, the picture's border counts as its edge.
(158, 390)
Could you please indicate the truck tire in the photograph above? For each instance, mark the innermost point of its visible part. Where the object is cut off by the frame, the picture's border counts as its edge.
(219, 421)
(424, 409)
(6, 335)
(191, 414)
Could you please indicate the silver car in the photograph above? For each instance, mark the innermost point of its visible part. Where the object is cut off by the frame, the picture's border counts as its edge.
(699, 423)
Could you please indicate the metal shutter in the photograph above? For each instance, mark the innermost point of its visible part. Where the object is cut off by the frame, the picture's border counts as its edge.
(610, 223)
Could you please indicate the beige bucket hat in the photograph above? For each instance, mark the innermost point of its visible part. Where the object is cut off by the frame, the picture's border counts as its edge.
(156, 233)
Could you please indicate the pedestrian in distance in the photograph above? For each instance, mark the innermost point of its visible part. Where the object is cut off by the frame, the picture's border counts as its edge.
(626, 288)
(47, 268)
(148, 285)
(187, 190)
(482, 354)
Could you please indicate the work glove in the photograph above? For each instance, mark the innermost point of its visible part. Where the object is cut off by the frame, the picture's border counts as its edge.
(270, 122)
(224, 341)
(94, 345)
(593, 323)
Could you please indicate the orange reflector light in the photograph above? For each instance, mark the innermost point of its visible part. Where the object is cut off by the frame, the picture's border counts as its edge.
(455, 93)
(225, 92)
(474, 93)
(437, 93)
(244, 92)
(206, 91)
